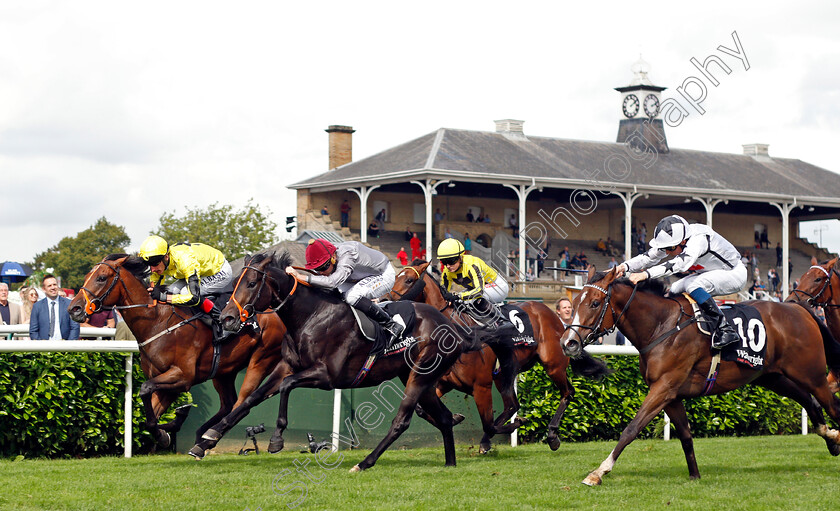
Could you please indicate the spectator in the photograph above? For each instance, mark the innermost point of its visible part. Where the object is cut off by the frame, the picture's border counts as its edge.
(643, 232)
(345, 213)
(563, 307)
(28, 297)
(745, 259)
(778, 255)
(487, 218)
(757, 237)
(325, 211)
(439, 216)
(575, 263)
(402, 256)
(566, 252)
(773, 279)
(380, 218)
(611, 249)
(103, 318)
(613, 263)
(467, 243)
(601, 247)
(10, 312)
(765, 243)
(564, 263)
(529, 274)
(513, 226)
(754, 261)
(415, 246)
(373, 229)
(583, 260)
(480, 218)
(408, 233)
(50, 319)
(123, 333)
(470, 216)
(447, 234)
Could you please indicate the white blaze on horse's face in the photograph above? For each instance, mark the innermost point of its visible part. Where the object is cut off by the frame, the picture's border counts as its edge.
(575, 332)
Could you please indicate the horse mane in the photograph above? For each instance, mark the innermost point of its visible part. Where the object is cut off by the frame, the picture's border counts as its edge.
(281, 261)
(650, 286)
(133, 264)
(419, 262)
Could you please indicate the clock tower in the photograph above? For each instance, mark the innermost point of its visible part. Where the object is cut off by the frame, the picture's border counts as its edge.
(641, 126)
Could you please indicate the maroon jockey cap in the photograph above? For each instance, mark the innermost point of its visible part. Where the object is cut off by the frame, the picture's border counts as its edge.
(318, 252)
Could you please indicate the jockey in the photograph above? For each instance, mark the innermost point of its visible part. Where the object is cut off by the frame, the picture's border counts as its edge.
(483, 285)
(358, 272)
(715, 267)
(202, 275)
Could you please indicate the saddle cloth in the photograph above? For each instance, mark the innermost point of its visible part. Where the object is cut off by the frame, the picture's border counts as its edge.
(523, 335)
(403, 313)
(746, 320)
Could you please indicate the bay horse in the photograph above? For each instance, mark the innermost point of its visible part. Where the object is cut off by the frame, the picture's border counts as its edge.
(820, 286)
(176, 354)
(675, 358)
(473, 374)
(326, 350)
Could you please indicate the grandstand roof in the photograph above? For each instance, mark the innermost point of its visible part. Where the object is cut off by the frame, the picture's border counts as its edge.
(513, 157)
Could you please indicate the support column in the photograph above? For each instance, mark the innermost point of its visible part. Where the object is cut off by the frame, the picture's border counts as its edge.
(522, 192)
(785, 209)
(429, 187)
(629, 198)
(709, 204)
(363, 192)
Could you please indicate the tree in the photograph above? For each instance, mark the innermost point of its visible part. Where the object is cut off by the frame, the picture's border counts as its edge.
(234, 232)
(73, 257)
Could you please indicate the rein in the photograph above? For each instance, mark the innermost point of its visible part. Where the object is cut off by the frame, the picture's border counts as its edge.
(812, 298)
(596, 331)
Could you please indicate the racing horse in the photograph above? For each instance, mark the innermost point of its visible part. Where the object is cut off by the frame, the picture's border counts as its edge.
(675, 358)
(820, 286)
(326, 350)
(176, 350)
(473, 374)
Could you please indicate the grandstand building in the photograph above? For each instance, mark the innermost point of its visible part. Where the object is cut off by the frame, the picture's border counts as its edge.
(572, 192)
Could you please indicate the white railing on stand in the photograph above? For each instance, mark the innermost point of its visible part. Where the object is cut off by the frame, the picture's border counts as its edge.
(99, 345)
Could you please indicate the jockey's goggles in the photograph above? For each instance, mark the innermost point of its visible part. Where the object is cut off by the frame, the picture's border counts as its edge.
(324, 266)
(154, 260)
(450, 260)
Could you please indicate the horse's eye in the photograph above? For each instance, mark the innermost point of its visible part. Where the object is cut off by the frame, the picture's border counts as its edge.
(252, 284)
(100, 278)
(818, 279)
(595, 304)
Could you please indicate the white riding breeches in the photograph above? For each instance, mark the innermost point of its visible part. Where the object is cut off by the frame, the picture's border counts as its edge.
(497, 291)
(369, 287)
(714, 282)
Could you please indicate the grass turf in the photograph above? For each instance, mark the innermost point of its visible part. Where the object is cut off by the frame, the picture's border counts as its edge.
(783, 472)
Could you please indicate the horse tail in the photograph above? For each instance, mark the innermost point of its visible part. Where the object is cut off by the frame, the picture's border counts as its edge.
(590, 367)
(830, 343)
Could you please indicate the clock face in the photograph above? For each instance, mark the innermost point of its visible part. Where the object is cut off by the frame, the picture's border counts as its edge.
(651, 105)
(630, 106)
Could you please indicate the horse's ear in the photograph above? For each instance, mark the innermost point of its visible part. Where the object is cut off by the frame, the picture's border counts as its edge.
(591, 272)
(424, 266)
(836, 264)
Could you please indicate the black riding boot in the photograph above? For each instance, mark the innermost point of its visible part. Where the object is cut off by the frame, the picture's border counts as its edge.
(725, 333)
(220, 334)
(378, 314)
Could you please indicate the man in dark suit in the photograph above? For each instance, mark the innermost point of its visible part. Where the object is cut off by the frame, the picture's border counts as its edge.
(50, 319)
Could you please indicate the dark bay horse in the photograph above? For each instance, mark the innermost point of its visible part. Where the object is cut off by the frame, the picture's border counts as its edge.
(176, 360)
(675, 363)
(820, 286)
(326, 350)
(473, 374)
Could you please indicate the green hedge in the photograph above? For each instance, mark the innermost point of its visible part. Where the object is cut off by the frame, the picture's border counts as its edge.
(68, 404)
(601, 410)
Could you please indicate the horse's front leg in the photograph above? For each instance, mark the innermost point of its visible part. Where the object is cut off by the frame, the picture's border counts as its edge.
(676, 411)
(660, 394)
(157, 394)
(307, 378)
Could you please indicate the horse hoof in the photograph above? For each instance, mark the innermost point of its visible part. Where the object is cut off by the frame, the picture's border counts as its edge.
(197, 452)
(592, 480)
(164, 440)
(457, 418)
(275, 446)
(184, 409)
(356, 468)
(834, 449)
(554, 443)
(484, 449)
(212, 435)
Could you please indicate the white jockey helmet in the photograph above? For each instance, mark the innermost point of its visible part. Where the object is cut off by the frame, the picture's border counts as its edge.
(669, 232)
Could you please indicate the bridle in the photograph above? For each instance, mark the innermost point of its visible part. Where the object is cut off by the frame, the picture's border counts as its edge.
(812, 298)
(247, 310)
(94, 305)
(596, 332)
(416, 288)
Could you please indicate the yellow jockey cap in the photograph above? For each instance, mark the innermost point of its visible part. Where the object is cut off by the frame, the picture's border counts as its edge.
(450, 247)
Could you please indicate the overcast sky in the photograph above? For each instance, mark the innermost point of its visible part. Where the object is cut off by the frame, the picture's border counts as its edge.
(129, 110)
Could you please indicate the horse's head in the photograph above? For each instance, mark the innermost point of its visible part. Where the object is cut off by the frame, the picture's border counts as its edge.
(590, 320)
(815, 286)
(262, 284)
(410, 284)
(100, 289)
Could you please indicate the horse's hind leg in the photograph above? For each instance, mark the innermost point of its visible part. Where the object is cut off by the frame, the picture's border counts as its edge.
(443, 421)
(157, 392)
(557, 372)
(483, 396)
(676, 412)
(788, 388)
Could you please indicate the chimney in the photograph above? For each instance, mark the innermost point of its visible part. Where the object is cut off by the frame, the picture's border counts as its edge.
(756, 149)
(511, 129)
(341, 145)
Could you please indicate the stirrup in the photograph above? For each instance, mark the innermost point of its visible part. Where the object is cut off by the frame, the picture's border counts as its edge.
(395, 329)
(719, 339)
